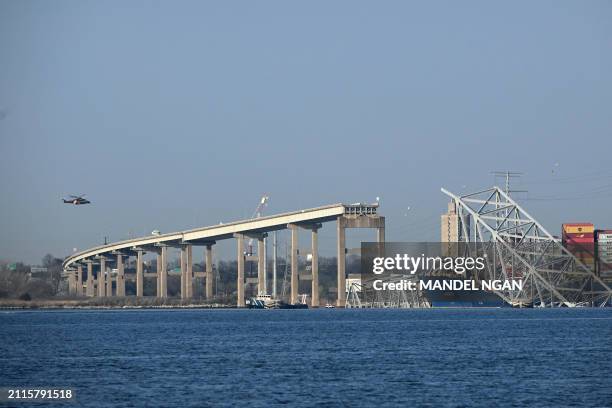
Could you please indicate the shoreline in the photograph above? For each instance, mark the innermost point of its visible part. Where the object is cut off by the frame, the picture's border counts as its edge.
(99, 307)
(125, 303)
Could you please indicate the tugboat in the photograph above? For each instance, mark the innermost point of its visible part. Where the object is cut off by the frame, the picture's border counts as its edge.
(264, 301)
(261, 301)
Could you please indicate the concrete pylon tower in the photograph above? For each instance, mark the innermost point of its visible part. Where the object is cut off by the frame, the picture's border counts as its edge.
(163, 285)
(101, 278)
(209, 271)
(120, 276)
(240, 264)
(355, 216)
(90, 280)
(139, 274)
(294, 264)
(79, 280)
(315, 267)
(261, 269)
(71, 283)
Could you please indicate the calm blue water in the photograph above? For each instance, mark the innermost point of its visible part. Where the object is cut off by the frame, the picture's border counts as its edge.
(193, 358)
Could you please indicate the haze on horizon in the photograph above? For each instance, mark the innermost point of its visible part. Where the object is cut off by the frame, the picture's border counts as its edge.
(173, 115)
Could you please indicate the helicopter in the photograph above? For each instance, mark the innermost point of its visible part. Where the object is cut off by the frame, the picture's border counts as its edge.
(76, 200)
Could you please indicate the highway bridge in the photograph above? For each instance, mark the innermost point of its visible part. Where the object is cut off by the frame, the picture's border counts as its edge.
(94, 263)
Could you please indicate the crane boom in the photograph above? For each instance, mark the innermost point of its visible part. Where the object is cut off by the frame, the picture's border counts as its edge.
(263, 203)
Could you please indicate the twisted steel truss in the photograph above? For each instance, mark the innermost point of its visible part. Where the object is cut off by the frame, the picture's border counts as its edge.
(359, 296)
(523, 250)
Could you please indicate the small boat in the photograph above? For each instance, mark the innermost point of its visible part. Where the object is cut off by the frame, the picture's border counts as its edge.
(330, 306)
(259, 302)
(264, 301)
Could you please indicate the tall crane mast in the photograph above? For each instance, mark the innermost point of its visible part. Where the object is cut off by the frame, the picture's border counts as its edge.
(263, 203)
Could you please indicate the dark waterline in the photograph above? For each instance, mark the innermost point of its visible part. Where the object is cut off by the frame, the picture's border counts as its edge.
(193, 358)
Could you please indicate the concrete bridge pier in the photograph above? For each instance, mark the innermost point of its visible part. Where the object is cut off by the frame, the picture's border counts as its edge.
(120, 276)
(109, 283)
(314, 228)
(89, 291)
(79, 280)
(158, 272)
(294, 263)
(354, 220)
(314, 302)
(380, 232)
(341, 296)
(186, 272)
(260, 258)
(101, 277)
(72, 283)
(240, 265)
(209, 271)
(163, 272)
(139, 273)
(261, 276)
(182, 267)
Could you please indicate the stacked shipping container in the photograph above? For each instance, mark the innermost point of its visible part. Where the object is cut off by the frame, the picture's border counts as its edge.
(604, 253)
(579, 239)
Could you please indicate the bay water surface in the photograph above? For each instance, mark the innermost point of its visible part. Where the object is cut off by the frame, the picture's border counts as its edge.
(325, 357)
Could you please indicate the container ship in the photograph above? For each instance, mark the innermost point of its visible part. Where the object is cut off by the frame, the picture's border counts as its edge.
(604, 254)
(579, 239)
(592, 247)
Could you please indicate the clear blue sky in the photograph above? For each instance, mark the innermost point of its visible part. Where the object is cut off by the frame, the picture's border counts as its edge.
(177, 114)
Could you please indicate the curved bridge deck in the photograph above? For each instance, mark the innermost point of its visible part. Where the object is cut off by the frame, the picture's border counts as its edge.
(97, 259)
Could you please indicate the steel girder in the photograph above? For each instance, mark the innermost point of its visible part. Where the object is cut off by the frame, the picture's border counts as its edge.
(524, 250)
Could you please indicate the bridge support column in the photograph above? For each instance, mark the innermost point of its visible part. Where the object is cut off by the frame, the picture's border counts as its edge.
(182, 266)
(158, 270)
(189, 272)
(120, 276)
(186, 272)
(139, 275)
(341, 262)
(261, 277)
(163, 282)
(354, 219)
(240, 258)
(315, 268)
(72, 283)
(89, 291)
(101, 278)
(209, 271)
(109, 284)
(380, 231)
(294, 264)
(79, 280)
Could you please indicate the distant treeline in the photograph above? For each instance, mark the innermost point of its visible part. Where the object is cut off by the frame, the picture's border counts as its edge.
(18, 281)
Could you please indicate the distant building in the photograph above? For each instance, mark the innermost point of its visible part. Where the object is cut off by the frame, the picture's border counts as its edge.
(39, 272)
(451, 230)
(449, 223)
